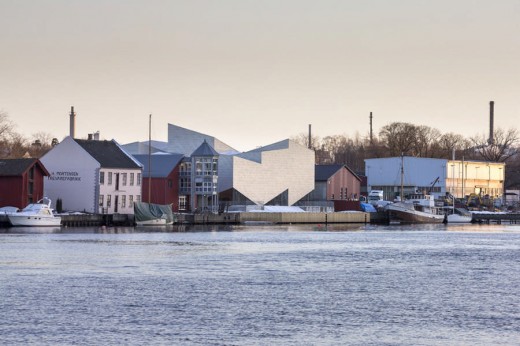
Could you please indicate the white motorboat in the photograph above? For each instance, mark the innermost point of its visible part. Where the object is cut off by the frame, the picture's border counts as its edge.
(35, 214)
(458, 215)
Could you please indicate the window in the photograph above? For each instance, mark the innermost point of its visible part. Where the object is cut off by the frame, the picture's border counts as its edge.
(109, 178)
(101, 200)
(102, 178)
(183, 202)
(124, 178)
(138, 179)
(130, 200)
(131, 179)
(109, 201)
(138, 198)
(123, 201)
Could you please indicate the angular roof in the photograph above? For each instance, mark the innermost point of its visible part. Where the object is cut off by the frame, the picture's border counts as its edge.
(143, 148)
(324, 172)
(204, 150)
(17, 167)
(108, 153)
(161, 164)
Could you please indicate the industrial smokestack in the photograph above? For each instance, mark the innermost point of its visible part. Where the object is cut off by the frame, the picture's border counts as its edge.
(310, 137)
(371, 138)
(491, 139)
(72, 122)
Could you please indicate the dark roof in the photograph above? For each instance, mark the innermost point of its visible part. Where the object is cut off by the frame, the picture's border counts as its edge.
(107, 153)
(162, 164)
(324, 172)
(17, 167)
(205, 150)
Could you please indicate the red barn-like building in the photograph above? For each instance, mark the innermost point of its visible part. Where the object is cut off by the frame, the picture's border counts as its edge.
(161, 178)
(21, 182)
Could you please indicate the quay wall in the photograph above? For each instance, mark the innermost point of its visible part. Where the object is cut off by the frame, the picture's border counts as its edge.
(304, 217)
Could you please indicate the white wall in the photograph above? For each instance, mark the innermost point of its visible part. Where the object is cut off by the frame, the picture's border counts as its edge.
(127, 190)
(73, 177)
(289, 167)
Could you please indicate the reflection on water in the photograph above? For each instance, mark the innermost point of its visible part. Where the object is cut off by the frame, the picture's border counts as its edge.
(247, 285)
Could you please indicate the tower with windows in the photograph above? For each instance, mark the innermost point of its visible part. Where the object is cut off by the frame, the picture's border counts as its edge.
(204, 178)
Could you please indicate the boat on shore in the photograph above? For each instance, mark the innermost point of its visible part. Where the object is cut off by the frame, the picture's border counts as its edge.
(152, 214)
(39, 214)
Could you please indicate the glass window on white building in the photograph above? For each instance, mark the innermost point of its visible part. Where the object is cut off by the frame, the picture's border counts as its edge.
(138, 179)
(101, 200)
(130, 201)
(123, 201)
(124, 178)
(131, 179)
(138, 198)
(109, 178)
(109, 201)
(102, 178)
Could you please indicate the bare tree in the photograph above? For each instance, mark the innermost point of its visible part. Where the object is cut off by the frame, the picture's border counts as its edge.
(503, 147)
(6, 126)
(398, 138)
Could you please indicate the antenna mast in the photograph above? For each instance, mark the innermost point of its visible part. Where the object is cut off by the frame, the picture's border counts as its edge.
(150, 160)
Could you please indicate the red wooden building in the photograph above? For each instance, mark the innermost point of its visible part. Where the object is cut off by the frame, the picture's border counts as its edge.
(21, 182)
(161, 178)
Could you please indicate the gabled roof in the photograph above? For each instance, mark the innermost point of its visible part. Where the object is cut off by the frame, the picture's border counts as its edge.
(107, 153)
(204, 150)
(161, 164)
(324, 172)
(17, 167)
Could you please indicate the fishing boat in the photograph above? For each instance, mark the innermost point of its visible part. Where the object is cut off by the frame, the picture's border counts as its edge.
(37, 214)
(416, 208)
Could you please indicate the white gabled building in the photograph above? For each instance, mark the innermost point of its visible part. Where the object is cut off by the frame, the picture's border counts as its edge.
(94, 176)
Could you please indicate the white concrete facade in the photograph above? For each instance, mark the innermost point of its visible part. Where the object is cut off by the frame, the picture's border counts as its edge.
(264, 173)
(260, 174)
(75, 179)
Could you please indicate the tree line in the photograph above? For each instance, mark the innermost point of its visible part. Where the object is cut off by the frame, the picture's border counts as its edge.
(13, 145)
(401, 138)
(394, 139)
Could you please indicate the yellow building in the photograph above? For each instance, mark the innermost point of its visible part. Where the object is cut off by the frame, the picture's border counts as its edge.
(464, 178)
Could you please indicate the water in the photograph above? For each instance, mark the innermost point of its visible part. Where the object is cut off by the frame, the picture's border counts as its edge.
(262, 285)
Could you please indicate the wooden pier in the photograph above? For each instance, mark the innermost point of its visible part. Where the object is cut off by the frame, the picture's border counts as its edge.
(498, 218)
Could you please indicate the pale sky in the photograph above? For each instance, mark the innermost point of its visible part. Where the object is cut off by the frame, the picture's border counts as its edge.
(255, 72)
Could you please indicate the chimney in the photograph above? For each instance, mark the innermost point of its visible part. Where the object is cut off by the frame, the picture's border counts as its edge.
(310, 137)
(72, 122)
(491, 140)
(96, 136)
(371, 138)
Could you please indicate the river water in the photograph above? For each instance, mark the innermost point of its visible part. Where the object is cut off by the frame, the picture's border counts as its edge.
(261, 285)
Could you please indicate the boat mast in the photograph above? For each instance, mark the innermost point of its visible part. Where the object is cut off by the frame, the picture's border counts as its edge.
(402, 178)
(150, 159)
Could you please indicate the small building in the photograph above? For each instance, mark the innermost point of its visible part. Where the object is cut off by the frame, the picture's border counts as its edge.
(161, 178)
(94, 176)
(435, 176)
(21, 182)
(332, 183)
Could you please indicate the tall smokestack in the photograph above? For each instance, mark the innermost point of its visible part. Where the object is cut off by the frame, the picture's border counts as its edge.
(491, 139)
(72, 122)
(371, 138)
(310, 137)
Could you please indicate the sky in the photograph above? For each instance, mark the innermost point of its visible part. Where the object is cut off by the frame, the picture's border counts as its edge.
(252, 73)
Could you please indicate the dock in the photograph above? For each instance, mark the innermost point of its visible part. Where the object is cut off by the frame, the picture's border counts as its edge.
(498, 218)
